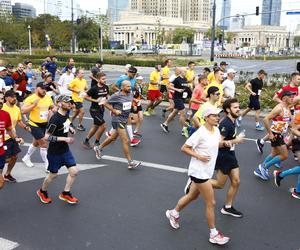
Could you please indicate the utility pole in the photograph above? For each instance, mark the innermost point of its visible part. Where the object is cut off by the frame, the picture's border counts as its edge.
(223, 27)
(213, 30)
(100, 37)
(29, 39)
(73, 32)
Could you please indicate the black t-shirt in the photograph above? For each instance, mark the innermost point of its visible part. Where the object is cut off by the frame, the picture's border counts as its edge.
(98, 92)
(137, 92)
(94, 72)
(181, 83)
(228, 130)
(256, 85)
(58, 125)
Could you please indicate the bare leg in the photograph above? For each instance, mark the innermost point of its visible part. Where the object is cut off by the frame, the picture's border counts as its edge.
(234, 186)
(49, 178)
(188, 198)
(73, 172)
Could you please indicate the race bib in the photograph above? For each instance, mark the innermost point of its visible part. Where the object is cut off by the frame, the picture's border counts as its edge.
(232, 148)
(126, 106)
(139, 103)
(259, 92)
(44, 115)
(1, 140)
(67, 126)
(184, 95)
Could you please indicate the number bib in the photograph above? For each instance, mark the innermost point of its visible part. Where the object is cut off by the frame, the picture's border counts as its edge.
(67, 126)
(259, 92)
(184, 95)
(126, 106)
(1, 140)
(44, 115)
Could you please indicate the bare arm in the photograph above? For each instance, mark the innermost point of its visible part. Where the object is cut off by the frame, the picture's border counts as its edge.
(249, 88)
(275, 111)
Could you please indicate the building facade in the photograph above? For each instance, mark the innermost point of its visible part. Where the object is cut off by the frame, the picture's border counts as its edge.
(23, 10)
(272, 17)
(114, 9)
(5, 7)
(226, 11)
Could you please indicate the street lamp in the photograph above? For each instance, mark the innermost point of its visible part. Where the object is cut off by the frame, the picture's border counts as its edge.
(29, 39)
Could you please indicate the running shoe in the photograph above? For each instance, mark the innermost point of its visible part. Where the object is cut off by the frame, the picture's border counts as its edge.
(174, 221)
(137, 134)
(152, 111)
(259, 174)
(107, 133)
(147, 113)
(164, 127)
(43, 196)
(295, 157)
(27, 161)
(231, 211)
(259, 127)
(134, 142)
(219, 239)
(295, 194)
(259, 146)
(68, 198)
(185, 132)
(238, 121)
(264, 171)
(98, 152)
(9, 178)
(187, 186)
(80, 127)
(133, 164)
(277, 178)
(86, 144)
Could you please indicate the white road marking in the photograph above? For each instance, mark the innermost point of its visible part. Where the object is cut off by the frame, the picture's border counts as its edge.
(7, 244)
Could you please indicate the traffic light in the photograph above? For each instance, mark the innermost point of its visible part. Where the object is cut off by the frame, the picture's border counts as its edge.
(78, 21)
(257, 11)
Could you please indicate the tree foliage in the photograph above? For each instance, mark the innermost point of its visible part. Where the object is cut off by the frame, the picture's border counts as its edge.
(179, 34)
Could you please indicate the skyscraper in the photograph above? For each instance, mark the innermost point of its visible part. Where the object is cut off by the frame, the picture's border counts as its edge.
(23, 10)
(272, 7)
(114, 8)
(5, 7)
(226, 11)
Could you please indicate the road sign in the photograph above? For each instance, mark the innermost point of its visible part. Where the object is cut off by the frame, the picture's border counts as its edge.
(293, 13)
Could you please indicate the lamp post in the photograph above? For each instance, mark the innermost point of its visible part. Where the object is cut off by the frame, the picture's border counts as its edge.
(29, 39)
(212, 50)
(223, 26)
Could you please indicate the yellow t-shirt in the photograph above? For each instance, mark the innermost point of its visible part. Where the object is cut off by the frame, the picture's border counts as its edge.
(211, 77)
(39, 114)
(204, 106)
(78, 85)
(190, 75)
(154, 77)
(15, 116)
(165, 74)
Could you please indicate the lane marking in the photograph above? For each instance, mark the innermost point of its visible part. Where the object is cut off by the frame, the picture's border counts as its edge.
(7, 244)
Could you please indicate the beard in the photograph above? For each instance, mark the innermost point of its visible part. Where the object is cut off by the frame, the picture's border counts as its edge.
(235, 116)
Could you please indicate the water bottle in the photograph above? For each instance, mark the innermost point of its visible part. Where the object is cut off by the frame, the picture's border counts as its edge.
(242, 134)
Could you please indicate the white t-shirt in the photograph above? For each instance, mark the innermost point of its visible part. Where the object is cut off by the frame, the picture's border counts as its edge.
(63, 83)
(2, 84)
(172, 78)
(229, 87)
(204, 142)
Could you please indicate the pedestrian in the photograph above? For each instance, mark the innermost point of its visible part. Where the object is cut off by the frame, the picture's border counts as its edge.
(203, 147)
(59, 153)
(120, 105)
(254, 87)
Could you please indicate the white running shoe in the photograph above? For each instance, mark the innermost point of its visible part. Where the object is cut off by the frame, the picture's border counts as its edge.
(174, 222)
(98, 152)
(133, 164)
(219, 239)
(27, 162)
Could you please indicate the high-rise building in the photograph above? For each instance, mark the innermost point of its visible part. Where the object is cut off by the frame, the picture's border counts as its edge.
(23, 10)
(195, 11)
(225, 12)
(272, 9)
(114, 8)
(5, 7)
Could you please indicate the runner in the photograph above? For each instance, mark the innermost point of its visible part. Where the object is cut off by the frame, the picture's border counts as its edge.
(205, 71)
(254, 87)
(229, 85)
(211, 76)
(78, 86)
(9, 81)
(12, 147)
(165, 72)
(94, 71)
(154, 95)
(119, 104)
(198, 96)
(217, 82)
(203, 147)
(97, 95)
(182, 91)
(281, 117)
(20, 79)
(70, 64)
(51, 66)
(3, 73)
(227, 165)
(50, 86)
(280, 175)
(64, 81)
(30, 76)
(190, 74)
(59, 153)
(39, 106)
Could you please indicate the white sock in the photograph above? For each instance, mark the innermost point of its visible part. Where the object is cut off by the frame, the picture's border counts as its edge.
(30, 151)
(175, 213)
(213, 232)
(257, 123)
(262, 141)
(227, 206)
(43, 152)
(129, 131)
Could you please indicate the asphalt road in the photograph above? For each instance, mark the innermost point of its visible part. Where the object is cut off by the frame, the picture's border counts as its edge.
(122, 209)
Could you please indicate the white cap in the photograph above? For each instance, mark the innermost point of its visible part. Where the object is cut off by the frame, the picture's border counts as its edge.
(231, 71)
(139, 77)
(2, 68)
(127, 66)
(210, 111)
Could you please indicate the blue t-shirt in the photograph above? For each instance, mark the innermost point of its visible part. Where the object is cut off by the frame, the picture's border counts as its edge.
(51, 67)
(9, 81)
(125, 77)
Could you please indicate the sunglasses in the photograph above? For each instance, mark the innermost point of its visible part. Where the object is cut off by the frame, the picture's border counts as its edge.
(217, 94)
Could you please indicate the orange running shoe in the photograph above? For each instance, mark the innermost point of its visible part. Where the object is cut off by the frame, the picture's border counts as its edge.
(43, 196)
(68, 198)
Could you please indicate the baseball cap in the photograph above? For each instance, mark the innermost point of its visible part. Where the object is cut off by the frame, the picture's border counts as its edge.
(9, 66)
(99, 62)
(2, 68)
(10, 93)
(132, 70)
(139, 77)
(223, 63)
(64, 98)
(287, 93)
(127, 66)
(210, 111)
(212, 90)
(48, 74)
(41, 85)
(231, 71)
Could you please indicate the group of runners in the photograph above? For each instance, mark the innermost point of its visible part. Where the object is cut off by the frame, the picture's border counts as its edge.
(49, 113)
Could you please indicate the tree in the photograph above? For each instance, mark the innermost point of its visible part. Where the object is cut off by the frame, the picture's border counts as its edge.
(229, 36)
(218, 33)
(87, 34)
(180, 33)
(297, 41)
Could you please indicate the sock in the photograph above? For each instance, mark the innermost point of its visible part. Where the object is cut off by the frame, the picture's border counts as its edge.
(164, 110)
(31, 150)
(43, 153)
(66, 192)
(213, 232)
(294, 170)
(270, 163)
(165, 124)
(175, 213)
(135, 131)
(129, 131)
(96, 141)
(86, 139)
(298, 185)
(256, 124)
(262, 141)
(268, 158)
(227, 206)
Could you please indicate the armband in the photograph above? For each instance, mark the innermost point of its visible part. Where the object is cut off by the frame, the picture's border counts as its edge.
(52, 138)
